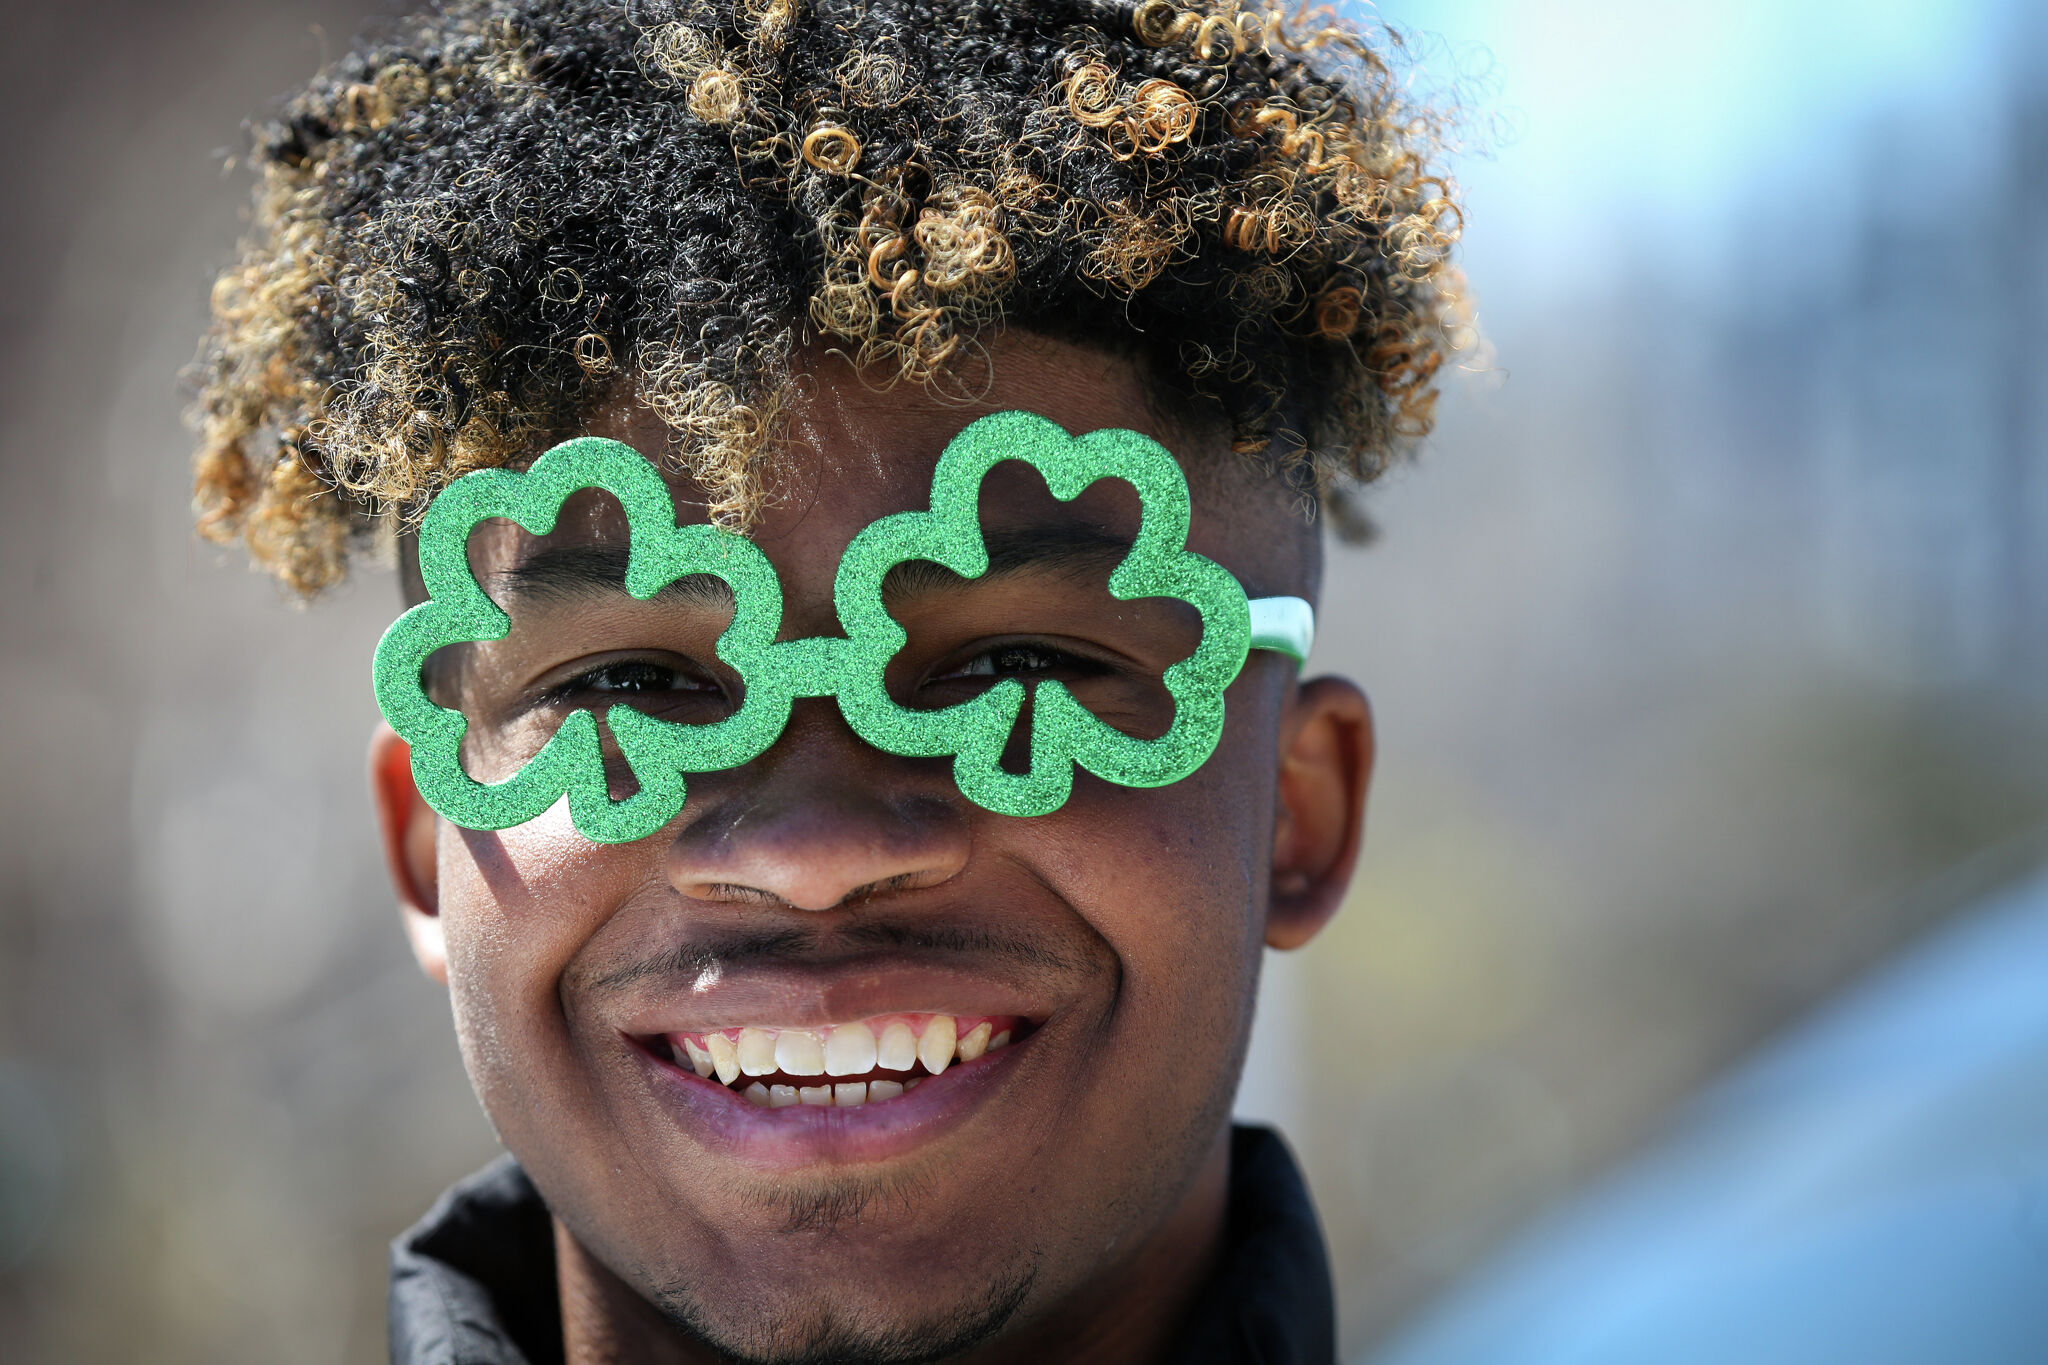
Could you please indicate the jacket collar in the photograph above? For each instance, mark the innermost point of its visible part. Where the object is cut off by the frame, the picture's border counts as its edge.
(473, 1283)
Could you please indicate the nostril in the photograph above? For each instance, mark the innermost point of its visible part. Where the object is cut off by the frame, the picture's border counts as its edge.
(731, 893)
(820, 889)
(905, 881)
(818, 850)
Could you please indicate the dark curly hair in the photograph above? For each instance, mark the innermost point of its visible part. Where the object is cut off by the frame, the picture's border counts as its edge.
(479, 224)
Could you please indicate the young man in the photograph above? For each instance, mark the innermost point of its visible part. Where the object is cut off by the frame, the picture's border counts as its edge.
(839, 1063)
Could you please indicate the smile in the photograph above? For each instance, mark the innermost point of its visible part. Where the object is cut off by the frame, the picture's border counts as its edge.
(868, 1061)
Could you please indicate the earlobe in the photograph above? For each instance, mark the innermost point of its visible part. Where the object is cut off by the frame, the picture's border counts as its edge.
(407, 825)
(1326, 754)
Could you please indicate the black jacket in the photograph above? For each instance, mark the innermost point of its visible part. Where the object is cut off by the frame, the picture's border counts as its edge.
(473, 1283)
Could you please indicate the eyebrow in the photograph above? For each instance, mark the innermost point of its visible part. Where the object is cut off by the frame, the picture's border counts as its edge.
(563, 575)
(560, 575)
(1071, 549)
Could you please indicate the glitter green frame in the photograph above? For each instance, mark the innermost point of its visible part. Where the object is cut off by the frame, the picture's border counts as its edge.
(572, 762)
(1064, 734)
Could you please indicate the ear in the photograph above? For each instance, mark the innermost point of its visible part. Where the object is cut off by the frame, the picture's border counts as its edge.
(408, 827)
(1326, 752)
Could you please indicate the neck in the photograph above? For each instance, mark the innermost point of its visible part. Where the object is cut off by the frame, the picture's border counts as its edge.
(1128, 1315)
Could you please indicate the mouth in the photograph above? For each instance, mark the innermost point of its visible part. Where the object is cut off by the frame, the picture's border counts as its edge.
(866, 1062)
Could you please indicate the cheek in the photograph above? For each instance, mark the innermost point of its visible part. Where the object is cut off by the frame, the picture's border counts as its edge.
(1183, 913)
(516, 906)
(1197, 855)
(1174, 881)
(1182, 877)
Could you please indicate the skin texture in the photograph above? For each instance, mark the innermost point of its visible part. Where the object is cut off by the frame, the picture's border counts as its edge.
(1073, 1210)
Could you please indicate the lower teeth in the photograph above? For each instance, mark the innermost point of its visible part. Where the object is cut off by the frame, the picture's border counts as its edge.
(840, 1094)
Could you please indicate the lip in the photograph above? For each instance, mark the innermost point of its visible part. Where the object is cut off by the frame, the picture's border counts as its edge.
(815, 997)
(800, 1136)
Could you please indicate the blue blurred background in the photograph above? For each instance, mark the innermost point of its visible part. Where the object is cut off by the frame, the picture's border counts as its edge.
(1690, 1001)
(1872, 1189)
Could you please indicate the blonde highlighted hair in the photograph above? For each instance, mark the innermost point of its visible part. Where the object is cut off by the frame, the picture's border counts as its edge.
(475, 227)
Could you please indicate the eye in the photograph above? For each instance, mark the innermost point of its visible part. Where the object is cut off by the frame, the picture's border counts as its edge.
(1022, 659)
(636, 677)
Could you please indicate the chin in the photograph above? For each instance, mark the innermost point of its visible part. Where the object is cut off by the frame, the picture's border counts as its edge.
(839, 1322)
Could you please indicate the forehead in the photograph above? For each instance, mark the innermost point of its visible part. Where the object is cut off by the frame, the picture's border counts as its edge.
(853, 451)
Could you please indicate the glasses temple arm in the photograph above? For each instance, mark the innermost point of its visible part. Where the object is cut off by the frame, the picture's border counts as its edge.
(1285, 625)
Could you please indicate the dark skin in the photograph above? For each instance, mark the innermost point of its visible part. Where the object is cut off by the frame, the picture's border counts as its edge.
(1072, 1205)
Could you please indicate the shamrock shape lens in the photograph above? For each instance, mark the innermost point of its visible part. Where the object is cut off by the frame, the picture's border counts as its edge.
(974, 732)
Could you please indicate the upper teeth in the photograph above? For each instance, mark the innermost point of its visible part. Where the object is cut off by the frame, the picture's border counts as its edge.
(850, 1051)
(936, 1040)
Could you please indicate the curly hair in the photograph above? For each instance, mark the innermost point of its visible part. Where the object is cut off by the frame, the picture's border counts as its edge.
(492, 216)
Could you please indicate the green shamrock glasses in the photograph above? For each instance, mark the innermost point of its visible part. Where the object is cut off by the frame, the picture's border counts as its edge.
(973, 733)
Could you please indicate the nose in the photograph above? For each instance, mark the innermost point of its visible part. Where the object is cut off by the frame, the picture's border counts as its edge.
(822, 819)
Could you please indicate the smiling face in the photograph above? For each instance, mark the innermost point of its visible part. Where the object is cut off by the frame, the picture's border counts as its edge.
(839, 1060)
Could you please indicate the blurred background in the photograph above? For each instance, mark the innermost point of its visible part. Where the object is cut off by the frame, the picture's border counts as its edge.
(1706, 640)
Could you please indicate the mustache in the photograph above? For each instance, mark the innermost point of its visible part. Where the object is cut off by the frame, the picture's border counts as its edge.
(717, 952)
